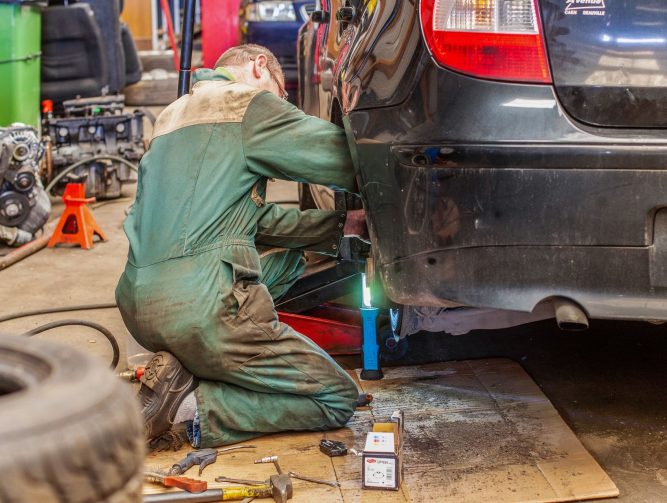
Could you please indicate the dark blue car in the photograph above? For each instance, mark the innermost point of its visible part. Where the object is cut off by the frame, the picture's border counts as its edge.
(275, 24)
(510, 153)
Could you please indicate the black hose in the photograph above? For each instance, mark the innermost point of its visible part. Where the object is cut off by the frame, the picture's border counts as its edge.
(87, 160)
(63, 323)
(52, 310)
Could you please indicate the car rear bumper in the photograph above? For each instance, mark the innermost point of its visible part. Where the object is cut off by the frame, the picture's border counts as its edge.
(509, 226)
(488, 194)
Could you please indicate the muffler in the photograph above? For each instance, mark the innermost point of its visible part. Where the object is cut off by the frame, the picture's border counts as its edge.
(569, 316)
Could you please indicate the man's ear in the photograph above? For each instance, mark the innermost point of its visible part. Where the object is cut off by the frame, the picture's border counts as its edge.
(259, 65)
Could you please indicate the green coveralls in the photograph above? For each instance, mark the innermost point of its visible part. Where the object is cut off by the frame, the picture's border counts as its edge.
(195, 284)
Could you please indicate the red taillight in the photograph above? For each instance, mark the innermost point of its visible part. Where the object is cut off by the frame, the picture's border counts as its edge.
(492, 39)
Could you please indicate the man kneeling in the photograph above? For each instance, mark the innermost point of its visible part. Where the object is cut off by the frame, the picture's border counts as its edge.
(208, 257)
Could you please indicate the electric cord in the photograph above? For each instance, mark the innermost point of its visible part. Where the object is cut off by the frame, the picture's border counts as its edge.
(87, 160)
(52, 310)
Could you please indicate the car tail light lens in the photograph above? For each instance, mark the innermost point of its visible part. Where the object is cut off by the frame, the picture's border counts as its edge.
(493, 39)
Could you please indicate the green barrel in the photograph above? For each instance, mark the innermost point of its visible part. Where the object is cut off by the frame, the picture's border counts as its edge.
(20, 57)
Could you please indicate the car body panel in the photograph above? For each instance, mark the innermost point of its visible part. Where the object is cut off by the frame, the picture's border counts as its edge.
(489, 193)
(609, 60)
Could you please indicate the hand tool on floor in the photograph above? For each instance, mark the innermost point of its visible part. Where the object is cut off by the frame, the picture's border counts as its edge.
(295, 475)
(212, 495)
(233, 480)
(278, 487)
(281, 484)
(203, 458)
(333, 448)
(274, 460)
(185, 483)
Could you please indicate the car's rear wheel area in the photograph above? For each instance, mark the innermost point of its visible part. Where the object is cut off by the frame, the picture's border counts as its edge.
(319, 197)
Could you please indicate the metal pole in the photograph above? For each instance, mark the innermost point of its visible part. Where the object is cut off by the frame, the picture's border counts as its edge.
(187, 34)
(154, 22)
(176, 9)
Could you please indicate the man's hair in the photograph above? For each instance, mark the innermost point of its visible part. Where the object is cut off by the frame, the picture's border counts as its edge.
(241, 54)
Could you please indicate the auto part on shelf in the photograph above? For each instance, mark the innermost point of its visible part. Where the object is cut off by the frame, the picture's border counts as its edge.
(94, 127)
(24, 205)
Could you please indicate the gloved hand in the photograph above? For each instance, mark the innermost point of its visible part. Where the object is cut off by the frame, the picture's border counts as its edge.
(355, 224)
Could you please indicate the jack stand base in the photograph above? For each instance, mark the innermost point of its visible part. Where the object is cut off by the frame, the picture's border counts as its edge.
(371, 375)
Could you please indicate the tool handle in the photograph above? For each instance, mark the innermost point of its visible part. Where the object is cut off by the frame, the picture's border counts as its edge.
(183, 465)
(243, 492)
(185, 483)
(210, 496)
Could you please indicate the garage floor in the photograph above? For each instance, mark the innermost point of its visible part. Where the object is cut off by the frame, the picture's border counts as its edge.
(609, 384)
(475, 431)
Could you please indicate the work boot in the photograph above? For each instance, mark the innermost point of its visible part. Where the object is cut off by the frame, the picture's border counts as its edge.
(164, 385)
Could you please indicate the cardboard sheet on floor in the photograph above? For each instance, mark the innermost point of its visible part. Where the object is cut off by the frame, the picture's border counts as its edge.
(475, 431)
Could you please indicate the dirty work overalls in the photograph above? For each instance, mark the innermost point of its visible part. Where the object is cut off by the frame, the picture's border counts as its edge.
(195, 284)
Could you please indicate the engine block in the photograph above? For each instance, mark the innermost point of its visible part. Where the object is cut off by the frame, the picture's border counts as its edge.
(95, 127)
(24, 205)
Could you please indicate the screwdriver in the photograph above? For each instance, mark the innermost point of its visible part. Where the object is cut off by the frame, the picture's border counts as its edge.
(185, 483)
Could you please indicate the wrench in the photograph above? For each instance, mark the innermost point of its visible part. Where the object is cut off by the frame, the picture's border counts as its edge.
(295, 475)
(241, 481)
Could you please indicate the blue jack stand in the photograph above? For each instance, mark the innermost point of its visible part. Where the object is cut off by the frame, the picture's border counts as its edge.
(370, 350)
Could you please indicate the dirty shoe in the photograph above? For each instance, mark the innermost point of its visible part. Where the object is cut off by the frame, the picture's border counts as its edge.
(164, 385)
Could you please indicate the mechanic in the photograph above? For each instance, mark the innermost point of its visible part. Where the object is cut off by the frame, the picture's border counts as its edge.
(208, 257)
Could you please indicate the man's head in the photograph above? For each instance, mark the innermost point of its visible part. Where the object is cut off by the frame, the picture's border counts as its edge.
(256, 66)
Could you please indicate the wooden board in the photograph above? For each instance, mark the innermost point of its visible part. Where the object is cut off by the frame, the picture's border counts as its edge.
(476, 431)
(137, 14)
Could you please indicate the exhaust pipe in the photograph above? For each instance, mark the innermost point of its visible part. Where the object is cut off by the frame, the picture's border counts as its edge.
(569, 316)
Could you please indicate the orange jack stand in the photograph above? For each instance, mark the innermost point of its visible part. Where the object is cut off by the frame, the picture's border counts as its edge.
(77, 224)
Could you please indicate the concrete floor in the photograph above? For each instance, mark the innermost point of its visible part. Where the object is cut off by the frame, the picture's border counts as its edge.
(609, 383)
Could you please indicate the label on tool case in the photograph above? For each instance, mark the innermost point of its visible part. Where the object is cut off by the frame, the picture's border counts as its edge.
(380, 472)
